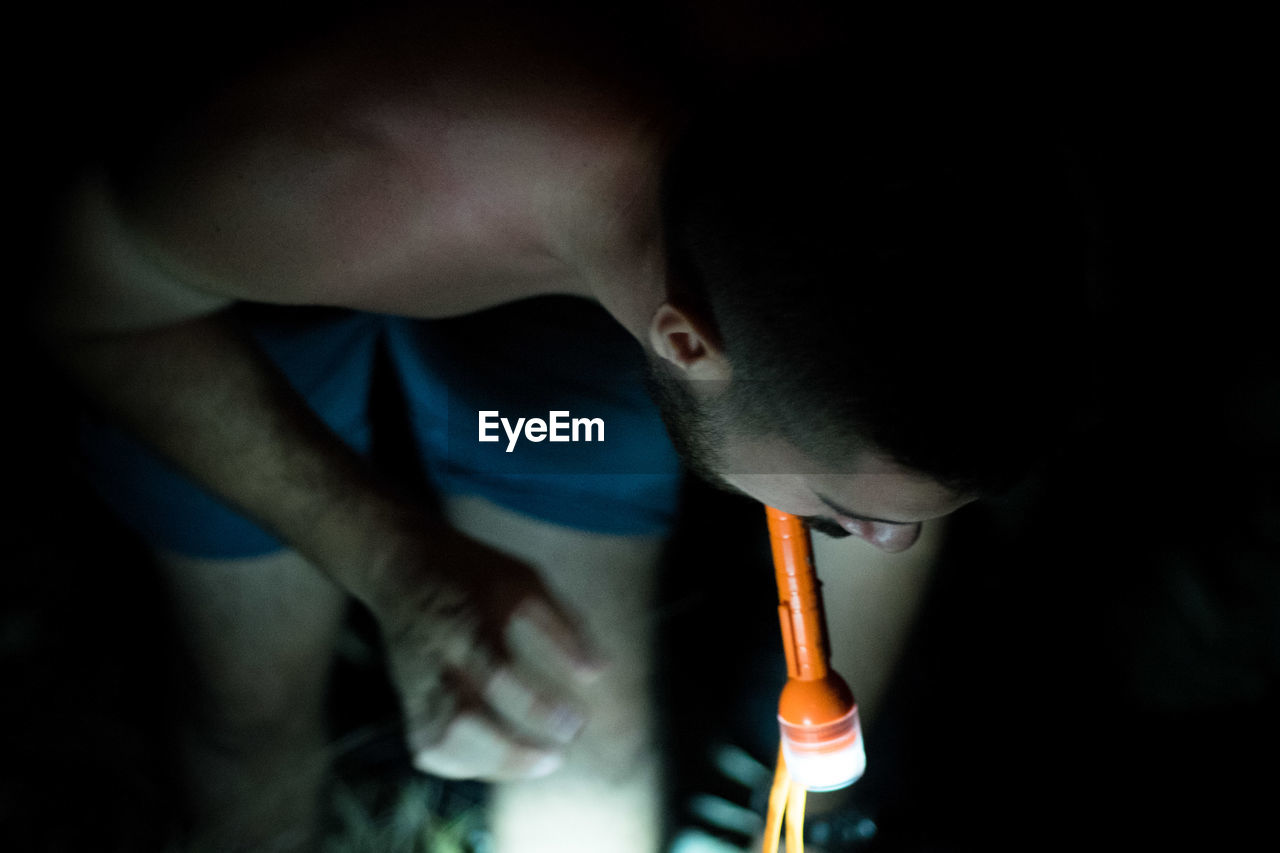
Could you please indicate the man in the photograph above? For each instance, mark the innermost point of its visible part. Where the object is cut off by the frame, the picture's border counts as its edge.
(758, 251)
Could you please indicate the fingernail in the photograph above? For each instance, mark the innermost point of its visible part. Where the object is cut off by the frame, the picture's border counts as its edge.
(566, 723)
(545, 765)
(591, 665)
(588, 673)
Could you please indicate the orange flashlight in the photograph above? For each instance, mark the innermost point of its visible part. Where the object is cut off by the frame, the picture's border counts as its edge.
(817, 715)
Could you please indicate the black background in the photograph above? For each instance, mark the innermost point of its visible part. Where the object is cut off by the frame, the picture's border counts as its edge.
(1099, 658)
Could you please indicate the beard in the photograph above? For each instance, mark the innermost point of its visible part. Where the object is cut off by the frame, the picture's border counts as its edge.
(695, 433)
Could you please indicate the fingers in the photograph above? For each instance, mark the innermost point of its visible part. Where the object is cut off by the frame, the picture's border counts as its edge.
(536, 703)
(486, 665)
(473, 746)
(506, 728)
(539, 714)
(487, 720)
(540, 632)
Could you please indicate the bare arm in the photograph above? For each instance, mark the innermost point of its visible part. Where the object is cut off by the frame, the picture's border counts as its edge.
(161, 356)
(203, 396)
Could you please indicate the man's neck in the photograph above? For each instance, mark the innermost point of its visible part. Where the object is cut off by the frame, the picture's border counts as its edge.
(622, 252)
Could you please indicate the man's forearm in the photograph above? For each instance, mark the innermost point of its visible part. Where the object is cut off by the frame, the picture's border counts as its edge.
(202, 395)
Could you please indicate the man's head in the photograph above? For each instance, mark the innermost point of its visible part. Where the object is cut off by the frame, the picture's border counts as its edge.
(875, 309)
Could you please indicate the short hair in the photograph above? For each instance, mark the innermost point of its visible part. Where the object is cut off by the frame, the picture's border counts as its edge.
(910, 272)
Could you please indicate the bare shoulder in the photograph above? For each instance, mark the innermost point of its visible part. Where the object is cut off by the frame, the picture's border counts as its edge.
(407, 169)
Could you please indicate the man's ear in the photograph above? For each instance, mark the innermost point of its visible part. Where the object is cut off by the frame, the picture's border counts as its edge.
(687, 342)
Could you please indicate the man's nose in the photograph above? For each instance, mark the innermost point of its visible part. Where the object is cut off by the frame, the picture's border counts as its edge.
(887, 537)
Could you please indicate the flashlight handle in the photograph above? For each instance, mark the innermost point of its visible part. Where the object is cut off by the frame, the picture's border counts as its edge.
(799, 597)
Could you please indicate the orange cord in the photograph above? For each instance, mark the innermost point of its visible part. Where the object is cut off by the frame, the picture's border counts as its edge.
(795, 819)
(786, 803)
(778, 796)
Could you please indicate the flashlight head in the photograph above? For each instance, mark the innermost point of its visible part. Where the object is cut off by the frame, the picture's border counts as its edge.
(821, 733)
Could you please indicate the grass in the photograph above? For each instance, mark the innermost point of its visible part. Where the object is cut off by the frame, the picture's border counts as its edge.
(411, 823)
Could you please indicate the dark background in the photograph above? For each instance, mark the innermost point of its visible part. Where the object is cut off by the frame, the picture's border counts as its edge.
(1098, 660)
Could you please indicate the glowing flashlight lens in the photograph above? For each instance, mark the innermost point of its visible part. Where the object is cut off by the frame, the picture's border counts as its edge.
(824, 757)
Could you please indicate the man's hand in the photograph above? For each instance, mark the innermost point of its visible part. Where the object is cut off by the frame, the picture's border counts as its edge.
(483, 658)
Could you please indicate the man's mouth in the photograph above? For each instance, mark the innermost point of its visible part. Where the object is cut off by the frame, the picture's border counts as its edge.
(826, 526)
